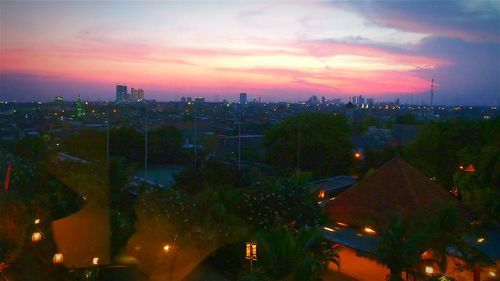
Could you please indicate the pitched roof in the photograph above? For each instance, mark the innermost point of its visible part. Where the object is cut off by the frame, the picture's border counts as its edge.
(396, 187)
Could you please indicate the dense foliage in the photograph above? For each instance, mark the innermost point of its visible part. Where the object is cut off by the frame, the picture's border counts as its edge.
(314, 142)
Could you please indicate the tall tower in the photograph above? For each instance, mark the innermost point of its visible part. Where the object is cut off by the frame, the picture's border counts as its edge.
(432, 92)
(80, 112)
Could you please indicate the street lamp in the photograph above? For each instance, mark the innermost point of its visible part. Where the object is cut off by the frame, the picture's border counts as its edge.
(167, 248)
(57, 258)
(251, 252)
(36, 236)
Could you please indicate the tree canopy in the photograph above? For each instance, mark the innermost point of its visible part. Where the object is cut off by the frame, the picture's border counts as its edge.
(314, 142)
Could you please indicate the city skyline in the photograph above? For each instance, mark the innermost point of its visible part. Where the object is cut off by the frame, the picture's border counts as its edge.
(277, 51)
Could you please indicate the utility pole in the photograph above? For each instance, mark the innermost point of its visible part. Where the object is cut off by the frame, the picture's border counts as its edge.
(107, 136)
(298, 149)
(146, 144)
(195, 136)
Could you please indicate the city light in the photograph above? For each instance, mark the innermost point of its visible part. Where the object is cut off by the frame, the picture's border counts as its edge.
(369, 230)
(429, 270)
(342, 224)
(321, 194)
(251, 251)
(37, 221)
(480, 240)
(36, 236)
(329, 229)
(58, 258)
(95, 261)
(167, 248)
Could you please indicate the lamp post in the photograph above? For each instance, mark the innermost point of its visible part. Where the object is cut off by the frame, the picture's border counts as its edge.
(36, 236)
(169, 250)
(251, 252)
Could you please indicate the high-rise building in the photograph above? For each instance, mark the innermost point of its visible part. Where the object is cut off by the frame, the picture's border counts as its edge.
(80, 112)
(134, 94)
(121, 93)
(199, 100)
(369, 101)
(243, 98)
(140, 94)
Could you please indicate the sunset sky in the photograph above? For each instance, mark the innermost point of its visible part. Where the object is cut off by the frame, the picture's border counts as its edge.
(276, 50)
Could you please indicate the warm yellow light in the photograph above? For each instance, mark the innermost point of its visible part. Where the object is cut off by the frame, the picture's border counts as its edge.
(480, 240)
(492, 274)
(329, 229)
(357, 155)
(36, 236)
(429, 270)
(342, 223)
(95, 261)
(251, 251)
(58, 258)
(167, 248)
(37, 221)
(369, 230)
(321, 194)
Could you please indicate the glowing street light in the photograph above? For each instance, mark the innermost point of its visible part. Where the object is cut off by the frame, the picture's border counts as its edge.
(36, 236)
(95, 261)
(251, 252)
(357, 155)
(58, 258)
(168, 248)
(429, 270)
(37, 221)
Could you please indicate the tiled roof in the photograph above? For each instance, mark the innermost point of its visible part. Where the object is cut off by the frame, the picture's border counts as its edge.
(396, 187)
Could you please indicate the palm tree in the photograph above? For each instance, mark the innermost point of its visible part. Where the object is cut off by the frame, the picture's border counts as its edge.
(399, 248)
(287, 255)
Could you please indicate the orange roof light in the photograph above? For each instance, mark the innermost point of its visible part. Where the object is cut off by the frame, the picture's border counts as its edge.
(470, 169)
(369, 230)
(321, 194)
(342, 223)
(357, 155)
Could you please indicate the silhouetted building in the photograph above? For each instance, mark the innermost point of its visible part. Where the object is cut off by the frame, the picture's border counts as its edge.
(134, 94)
(243, 98)
(140, 94)
(121, 93)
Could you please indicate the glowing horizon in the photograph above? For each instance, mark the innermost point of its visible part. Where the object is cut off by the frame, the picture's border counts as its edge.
(274, 50)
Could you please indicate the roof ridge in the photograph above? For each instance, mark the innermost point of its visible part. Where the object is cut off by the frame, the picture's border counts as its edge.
(409, 184)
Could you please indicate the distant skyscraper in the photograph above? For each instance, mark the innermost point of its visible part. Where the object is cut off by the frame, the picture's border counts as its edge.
(183, 99)
(243, 98)
(121, 93)
(396, 101)
(323, 100)
(199, 100)
(140, 94)
(369, 101)
(80, 112)
(134, 94)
